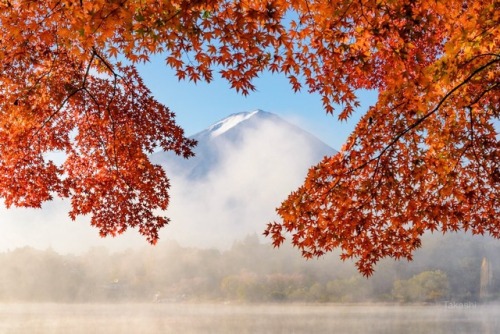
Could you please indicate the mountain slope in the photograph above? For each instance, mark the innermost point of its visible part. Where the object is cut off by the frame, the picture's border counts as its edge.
(232, 131)
(245, 165)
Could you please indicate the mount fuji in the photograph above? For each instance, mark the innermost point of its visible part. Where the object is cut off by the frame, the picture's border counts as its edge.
(236, 130)
(244, 166)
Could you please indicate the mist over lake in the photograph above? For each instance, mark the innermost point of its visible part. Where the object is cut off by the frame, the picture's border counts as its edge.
(273, 318)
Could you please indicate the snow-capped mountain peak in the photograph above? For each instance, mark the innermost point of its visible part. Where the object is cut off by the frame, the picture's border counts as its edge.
(244, 165)
(229, 122)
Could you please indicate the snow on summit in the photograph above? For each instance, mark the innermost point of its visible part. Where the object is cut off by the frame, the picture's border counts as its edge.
(229, 122)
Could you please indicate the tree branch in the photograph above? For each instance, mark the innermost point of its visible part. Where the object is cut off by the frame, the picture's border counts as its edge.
(429, 114)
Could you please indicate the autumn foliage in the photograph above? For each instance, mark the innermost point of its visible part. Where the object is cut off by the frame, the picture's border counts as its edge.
(424, 157)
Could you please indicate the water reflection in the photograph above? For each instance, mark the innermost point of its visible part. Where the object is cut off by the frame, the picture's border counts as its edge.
(221, 318)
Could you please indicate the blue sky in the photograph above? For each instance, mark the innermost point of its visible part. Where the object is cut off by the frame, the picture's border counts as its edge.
(199, 105)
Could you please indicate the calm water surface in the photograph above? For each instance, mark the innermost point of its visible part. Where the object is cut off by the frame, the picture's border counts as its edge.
(220, 318)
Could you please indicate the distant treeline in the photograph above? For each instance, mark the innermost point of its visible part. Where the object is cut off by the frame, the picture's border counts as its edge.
(451, 268)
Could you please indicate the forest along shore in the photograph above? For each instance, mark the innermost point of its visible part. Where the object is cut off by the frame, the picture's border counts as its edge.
(169, 273)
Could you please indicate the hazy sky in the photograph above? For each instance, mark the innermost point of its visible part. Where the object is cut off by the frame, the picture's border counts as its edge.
(197, 107)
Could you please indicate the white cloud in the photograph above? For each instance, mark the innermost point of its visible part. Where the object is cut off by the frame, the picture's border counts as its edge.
(240, 195)
(51, 227)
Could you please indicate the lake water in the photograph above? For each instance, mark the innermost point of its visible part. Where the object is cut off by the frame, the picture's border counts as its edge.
(228, 318)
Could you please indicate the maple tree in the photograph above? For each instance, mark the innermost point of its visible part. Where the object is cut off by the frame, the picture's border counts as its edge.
(424, 157)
